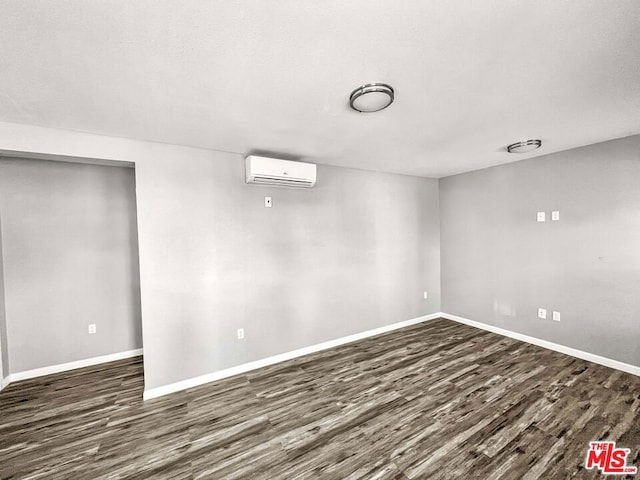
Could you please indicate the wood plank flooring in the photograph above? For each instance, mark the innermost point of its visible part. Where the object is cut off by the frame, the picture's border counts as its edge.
(437, 400)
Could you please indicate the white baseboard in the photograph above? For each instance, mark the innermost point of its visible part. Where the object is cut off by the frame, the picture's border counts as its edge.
(211, 377)
(229, 372)
(63, 367)
(591, 357)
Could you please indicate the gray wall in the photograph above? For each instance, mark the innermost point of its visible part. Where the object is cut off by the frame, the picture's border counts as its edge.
(354, 253)
(70, 259)
(4, 350)
(499, 265)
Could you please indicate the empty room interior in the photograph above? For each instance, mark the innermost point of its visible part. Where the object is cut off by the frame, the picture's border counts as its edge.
(278, 239)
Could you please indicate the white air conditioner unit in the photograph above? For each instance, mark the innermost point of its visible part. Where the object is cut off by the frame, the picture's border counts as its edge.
(284, 173)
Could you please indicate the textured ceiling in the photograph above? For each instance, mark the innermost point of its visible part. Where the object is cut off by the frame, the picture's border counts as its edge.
(274, 75)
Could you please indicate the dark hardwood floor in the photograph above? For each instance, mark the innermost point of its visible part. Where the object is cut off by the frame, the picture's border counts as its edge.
(438, 400)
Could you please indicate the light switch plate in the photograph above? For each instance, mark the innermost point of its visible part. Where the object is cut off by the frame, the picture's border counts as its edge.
(556, 316)
(555, 216)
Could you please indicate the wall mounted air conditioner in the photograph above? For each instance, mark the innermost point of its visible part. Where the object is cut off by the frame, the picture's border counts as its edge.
(284, 173)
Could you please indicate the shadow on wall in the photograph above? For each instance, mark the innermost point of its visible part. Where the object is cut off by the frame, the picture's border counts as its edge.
(4, 349)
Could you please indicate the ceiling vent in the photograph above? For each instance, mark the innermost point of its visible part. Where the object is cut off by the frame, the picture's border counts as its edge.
(282, 173)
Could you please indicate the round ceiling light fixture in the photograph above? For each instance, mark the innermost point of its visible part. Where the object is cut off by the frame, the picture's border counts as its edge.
(371, 97)
(524, 146)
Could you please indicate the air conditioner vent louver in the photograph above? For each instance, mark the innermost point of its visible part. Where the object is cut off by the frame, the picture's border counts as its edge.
(284, 173)
(282, 181)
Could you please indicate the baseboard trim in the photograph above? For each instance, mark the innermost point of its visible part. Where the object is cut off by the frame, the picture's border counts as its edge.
(246, 367)
(4, 382)
(63, 367)
(590, 357)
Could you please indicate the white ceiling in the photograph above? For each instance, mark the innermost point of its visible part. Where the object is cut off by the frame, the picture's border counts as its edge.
(274, 75)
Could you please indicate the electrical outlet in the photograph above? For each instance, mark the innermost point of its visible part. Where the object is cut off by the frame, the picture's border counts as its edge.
(555, 216)
(541, 216)
(92, 328)
(542, 313)
(267, 202)
(240, 333)
(426, 295)
(556, 316)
